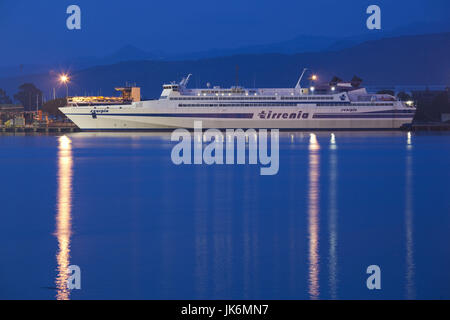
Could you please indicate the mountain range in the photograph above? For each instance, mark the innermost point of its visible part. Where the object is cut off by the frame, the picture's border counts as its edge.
(300, 44)
(405, 60)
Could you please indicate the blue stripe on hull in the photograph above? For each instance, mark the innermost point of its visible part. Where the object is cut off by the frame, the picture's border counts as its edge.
(367, 115)
(360, 116)
(171, 115)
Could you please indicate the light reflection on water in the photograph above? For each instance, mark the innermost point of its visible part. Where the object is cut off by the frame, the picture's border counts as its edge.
(332, 218)
(213, 253)
(313, 216)
(63, 216)
(201, 239)
(409, 222)
(206, 232)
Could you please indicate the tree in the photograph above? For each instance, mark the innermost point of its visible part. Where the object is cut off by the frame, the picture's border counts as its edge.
(403, 96)
(356, 81)
(335, 80)
(29, 96)
(390, 92)
(52, 106)
(4, 99)
(432, 110)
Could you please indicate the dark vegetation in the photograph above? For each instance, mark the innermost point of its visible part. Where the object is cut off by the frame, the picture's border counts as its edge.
(431, 110)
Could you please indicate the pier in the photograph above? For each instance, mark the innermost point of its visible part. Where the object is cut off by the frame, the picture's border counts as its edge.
(427, 126)
(58, 128)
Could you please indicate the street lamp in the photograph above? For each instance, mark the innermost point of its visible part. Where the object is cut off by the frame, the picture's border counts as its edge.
(64, 79)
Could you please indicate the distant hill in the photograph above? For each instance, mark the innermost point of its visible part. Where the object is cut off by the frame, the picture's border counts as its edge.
(300, 44)
(308, 43)
(126, 53)
(406, 60)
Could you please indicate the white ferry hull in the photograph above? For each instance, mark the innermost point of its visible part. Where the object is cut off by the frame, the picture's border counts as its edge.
(133, 119)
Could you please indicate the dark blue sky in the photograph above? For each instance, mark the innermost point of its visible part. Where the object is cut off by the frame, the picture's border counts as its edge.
(35, 31)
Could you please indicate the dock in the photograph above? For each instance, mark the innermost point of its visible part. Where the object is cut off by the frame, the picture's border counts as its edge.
(58, 128)
(427, 126)
(69, 127)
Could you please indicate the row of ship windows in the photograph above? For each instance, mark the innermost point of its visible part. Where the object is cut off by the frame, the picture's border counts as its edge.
(362, 104)
(254, 98)
(308, 98)
(224, 98)
(235, 105)
(224, 91)
(281, 104)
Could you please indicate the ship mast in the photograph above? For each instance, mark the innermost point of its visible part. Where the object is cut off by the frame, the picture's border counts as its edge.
(297, 86)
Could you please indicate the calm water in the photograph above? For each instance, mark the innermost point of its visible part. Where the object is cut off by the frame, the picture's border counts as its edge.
(140, 227)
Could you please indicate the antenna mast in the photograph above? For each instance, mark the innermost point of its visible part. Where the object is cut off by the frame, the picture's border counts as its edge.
(297, 86)
(185, 81)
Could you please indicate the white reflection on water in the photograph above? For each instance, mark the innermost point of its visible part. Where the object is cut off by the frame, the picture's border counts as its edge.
(250, 239)
(222, 271)
(201, 233)
(409, 213)
(408, 140)
(313, 216)
(332, 219)
(333, 145)
(63, 217)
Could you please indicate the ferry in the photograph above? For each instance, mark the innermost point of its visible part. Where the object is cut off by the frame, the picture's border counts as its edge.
(340, 105)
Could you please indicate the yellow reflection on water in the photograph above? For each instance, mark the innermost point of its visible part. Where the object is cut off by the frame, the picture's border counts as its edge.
(313, 217)
(63, 216)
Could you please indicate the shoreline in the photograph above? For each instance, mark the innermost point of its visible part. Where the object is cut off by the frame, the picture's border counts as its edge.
(432, 126)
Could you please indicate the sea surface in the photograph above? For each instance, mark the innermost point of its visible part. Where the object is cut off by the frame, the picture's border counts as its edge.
(140, 227)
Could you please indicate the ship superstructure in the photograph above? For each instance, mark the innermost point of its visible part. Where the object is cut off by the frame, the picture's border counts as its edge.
(331, 106)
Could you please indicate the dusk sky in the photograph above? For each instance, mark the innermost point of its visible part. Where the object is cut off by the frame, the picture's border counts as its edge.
(35, 31)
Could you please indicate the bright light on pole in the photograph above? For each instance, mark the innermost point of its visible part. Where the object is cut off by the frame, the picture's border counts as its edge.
(64, 79)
